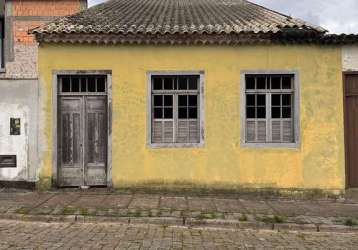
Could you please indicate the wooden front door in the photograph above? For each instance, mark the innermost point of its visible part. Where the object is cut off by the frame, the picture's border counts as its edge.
(82, 147)
(351, 128)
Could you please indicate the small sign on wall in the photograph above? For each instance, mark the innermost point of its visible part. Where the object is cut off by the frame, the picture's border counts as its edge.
(15, 126)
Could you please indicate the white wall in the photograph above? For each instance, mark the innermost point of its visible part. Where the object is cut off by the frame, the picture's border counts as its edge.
(350, 58)
(14, 144)
(19, 99)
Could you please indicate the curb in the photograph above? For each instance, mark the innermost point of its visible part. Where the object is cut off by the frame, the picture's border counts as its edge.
(186, 222)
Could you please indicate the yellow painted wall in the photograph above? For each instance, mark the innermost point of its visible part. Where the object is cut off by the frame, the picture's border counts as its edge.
(317, 163)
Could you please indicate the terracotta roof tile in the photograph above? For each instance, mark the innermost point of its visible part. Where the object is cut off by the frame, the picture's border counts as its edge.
(170, 17)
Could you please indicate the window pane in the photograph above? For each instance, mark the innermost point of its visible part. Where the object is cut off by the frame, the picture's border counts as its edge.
(250, 100)
(168, 113)
(183, 84)
(276, 112)
(101, 84)
(75, 84)
(66, 87)
(158, 113)
(182, 113)
(286, 100)
(182, 100)
(261, 82)
(83, 85)
(286, 82)
(261, 112)
(158, 100)
(168, 100)
(193, 82)
(250, 82)
(276, 100)
(275, 82)
(250, 113)
(157, 83)
(193, 113)
(286, 112)
(193, 100)
(168, 83)
(261, 100)
(91, 84)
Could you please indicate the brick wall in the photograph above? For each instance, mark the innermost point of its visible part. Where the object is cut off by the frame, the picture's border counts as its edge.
(20, 17)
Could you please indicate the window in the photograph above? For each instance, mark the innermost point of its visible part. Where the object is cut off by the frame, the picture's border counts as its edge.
(2, 42)
(175, 109)
(269, 108)
(82, 84)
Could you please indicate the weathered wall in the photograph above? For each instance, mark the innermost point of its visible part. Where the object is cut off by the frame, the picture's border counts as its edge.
(317, 163)
(350, 58)
(19, 99)
(22, 16)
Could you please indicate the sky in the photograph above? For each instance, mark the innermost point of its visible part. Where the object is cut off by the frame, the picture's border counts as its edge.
(337, 16)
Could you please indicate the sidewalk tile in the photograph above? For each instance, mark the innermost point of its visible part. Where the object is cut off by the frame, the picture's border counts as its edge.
(201, 204)
(229, 205)
(145, 202)
(177, 203)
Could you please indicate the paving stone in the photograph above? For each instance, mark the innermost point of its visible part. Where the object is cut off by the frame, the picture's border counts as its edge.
(178, 203)
(89, 201)
(145, 202)
(201, 204)
(256, 207)
(117, 200)
(287, 208)
(229, 205)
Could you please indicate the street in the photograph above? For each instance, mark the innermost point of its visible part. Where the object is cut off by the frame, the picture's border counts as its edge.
(36, 235)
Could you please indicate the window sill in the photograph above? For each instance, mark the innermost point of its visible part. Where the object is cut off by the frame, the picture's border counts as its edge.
(271, 145)
(175, 145)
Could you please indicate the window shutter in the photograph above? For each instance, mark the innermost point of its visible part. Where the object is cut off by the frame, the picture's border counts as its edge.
(194, 131)
(157, 133)
(261, 131)
(250, 131)
(276, 130)
(168, 131)
(188, 131)
(287, 131)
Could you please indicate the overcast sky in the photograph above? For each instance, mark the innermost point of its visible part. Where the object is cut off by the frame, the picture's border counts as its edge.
(338, 16)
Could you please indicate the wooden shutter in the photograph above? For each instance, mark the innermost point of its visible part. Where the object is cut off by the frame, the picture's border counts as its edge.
(250, 131)
(261, 131)
(162, 131)
(282, 130)
(188, 131)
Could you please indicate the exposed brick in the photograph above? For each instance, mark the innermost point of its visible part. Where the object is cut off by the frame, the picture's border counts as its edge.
(45, 7)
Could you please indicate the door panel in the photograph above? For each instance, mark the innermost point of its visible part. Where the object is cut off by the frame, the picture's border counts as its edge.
(96, 141)
(70, 146)
(351, 129)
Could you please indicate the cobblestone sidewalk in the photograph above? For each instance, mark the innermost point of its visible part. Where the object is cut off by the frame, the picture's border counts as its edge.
(37, 235)
(312, 215)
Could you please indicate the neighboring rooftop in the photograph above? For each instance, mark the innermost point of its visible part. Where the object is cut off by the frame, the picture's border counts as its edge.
(177, 21)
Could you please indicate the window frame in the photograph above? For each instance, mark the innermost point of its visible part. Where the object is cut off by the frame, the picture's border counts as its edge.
(295, 115)
(151, 74)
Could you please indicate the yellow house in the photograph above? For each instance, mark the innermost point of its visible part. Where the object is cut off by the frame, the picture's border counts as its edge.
(208, 92)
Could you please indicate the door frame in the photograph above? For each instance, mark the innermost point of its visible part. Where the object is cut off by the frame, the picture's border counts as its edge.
(347, 171)
(55, 117)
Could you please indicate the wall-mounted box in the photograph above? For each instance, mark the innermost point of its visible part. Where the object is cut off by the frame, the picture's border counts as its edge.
(8, 161)
(15, 126)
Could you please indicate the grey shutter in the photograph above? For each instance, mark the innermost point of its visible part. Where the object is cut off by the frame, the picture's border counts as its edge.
(194, 131)
(162, 131)
(168, 134)
(188, 131)
(261, 131)
(250, 131)
(276, 130)
(282, 130)
(287, 131)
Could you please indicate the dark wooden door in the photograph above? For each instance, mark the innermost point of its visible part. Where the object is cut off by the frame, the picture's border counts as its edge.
(96, 141)
(71, 142)
(351, 129)
(83, 141)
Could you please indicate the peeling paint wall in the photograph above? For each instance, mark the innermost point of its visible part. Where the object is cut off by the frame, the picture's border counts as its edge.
(18, 99)
(318, 162)
(350, 58)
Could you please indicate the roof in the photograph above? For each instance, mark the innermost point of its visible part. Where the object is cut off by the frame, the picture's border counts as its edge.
(175, 21)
